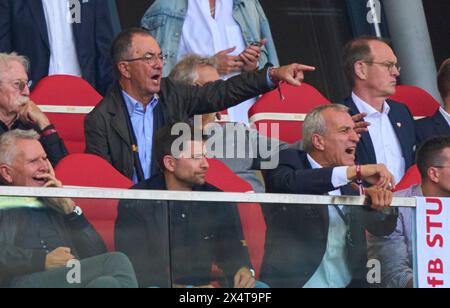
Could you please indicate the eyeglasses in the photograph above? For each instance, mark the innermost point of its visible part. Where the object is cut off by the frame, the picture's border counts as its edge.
(442, 167)
(150, 58)
(389, 65)
(20, 84)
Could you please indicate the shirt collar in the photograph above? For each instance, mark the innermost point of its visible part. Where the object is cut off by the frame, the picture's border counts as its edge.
(364, 107)
(314, 164)
(445, 114)
(133, 105)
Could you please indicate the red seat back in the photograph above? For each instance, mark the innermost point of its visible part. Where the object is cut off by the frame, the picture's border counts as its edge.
(252, 219)
(289, 113)
(419, 101)
(412, 177)
(92, 171)
(54, 92)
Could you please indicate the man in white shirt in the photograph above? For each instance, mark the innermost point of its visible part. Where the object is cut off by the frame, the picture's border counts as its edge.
(439, 124)
(60, 37)
(372, 70)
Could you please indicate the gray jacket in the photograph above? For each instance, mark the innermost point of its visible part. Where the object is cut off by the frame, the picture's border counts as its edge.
(395, 251)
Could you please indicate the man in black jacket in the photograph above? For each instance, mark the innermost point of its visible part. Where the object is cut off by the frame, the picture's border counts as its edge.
(40, 237)
(18, 112)
(320, 246)
(200, 234)
(120, 128)
(439, 124)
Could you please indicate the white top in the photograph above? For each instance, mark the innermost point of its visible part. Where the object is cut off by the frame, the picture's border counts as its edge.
(385, 141)
(445, 114)
(63, 54)
(334, 270)
(206, 36)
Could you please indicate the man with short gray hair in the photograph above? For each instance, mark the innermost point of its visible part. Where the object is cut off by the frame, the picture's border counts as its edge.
(312, 246)
(40, 236)
(17, 111)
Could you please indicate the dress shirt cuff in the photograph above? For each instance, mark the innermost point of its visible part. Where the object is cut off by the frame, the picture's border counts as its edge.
(339, 177)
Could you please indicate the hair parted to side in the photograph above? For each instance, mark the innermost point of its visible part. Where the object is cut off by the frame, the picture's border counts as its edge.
(356, 50)
(121, 46)
(315, 124)
(7, 58)
(185, 70)
(430, 154)
(8, 143)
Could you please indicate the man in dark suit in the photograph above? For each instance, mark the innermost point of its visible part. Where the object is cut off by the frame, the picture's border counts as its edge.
(320, 246)
(372, 70)
(200, 234)
(120, 129)
(56, 45)
(439, 124)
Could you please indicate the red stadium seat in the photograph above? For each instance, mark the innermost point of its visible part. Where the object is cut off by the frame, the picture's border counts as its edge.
(412, 177)
(92, 171)
(252, 219)
(419, 101)
(289, 114)
(66, 100)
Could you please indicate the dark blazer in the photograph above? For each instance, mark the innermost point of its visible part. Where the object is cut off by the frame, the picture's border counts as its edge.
(435, 126)
(23, 29)
(296, 239)
(399, 113)
(78, 234)
(200, 235)
(106, 129)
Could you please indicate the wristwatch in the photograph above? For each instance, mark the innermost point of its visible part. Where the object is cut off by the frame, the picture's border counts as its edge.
(77, 212)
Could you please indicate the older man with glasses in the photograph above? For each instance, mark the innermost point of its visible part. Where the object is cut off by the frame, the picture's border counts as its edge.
(372, 70)
(18, 112)
(121, 127)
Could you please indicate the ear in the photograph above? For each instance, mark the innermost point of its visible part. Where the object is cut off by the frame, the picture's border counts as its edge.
(360, 69)
(318, 142)
(6, 174)
(169, 163)
(123, 69)
(433, 175)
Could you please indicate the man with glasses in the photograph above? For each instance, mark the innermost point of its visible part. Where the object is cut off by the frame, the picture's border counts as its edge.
(121, 127)
(395, 251)
(372, 70)
(18, 112)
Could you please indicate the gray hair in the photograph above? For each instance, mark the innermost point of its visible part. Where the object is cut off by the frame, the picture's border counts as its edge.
(315, 124)
(7, 58)
(8, 143)
(184, 72)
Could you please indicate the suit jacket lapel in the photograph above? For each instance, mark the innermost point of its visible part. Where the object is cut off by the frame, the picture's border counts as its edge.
(119, 122)
(366, 143)
(37, 11)
(397, 124)
(441, 126)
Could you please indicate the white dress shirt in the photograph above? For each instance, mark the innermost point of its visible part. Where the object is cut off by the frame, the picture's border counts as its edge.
(206, 36)
(63, 53)
(387, 147)
(334, 271)
(445, 114)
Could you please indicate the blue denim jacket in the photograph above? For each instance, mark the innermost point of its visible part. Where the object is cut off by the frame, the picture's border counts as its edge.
(165, 19)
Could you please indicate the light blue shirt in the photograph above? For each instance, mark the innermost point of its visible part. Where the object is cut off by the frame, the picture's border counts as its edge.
(334, 271)
(445, 114)
(142, 121)
(388, 149)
